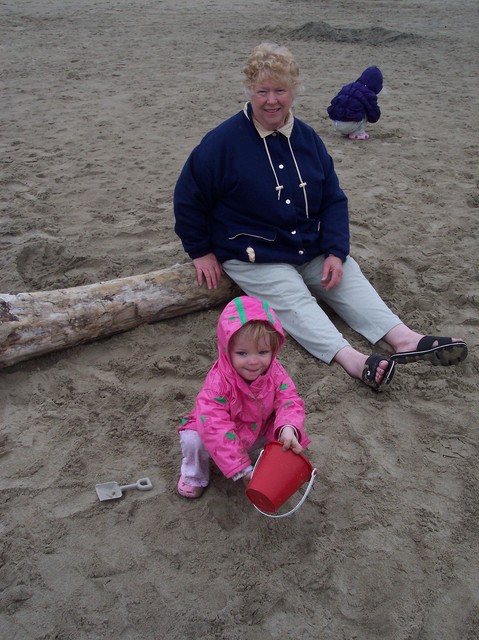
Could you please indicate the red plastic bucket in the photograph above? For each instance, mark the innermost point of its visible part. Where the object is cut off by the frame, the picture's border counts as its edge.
(277, 475)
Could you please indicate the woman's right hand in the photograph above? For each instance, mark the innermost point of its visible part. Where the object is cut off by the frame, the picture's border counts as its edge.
(210, 268)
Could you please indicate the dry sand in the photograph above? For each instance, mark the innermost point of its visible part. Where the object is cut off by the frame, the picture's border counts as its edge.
(101, 102)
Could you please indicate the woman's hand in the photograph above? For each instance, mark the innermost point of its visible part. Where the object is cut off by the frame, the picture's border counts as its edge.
(332, 272)
(208, 267)
(289, 440)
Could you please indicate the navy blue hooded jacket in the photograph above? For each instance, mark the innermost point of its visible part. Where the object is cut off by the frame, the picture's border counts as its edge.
(273, 199)
(358, 100)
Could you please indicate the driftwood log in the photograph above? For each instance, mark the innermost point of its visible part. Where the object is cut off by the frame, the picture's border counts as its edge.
(35, 323)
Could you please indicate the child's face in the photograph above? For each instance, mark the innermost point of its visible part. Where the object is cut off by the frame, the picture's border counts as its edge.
(248, 359)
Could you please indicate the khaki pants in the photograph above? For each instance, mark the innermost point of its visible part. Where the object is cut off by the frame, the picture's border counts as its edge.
(292, 291)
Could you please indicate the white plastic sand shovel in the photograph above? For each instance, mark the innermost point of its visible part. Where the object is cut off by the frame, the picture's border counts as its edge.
(112, 490)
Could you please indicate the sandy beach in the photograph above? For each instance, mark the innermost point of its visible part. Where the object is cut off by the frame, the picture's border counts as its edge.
(101, 103)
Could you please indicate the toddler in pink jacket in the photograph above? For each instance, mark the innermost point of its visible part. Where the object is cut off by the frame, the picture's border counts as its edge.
(247, 399)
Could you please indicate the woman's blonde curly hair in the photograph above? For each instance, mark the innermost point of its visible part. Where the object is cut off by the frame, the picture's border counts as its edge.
(274, 61)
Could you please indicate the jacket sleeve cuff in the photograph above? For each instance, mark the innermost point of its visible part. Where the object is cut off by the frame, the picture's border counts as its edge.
(298, 437)
(337, 254)
(242, 473)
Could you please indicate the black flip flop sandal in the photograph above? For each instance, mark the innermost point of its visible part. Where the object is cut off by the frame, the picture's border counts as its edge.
(370, 368)
(445, 353)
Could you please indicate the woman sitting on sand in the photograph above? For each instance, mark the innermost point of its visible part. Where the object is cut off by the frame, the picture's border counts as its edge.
(259, 198)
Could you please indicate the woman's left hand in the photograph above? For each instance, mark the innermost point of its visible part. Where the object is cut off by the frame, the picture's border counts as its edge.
(332, 272)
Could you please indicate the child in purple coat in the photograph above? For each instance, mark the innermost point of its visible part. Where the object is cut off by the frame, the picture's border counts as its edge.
(356, 104)
(247, 399)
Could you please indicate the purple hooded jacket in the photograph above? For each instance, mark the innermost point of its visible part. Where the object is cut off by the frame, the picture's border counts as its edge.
(358, 100)
(229, 413)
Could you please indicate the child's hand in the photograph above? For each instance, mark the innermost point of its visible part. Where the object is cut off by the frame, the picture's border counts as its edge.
(289, 440)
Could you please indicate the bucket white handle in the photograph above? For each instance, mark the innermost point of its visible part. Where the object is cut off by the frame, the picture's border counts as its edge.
(295, 508)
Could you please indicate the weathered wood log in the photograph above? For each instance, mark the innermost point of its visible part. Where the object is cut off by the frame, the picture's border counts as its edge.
(35, 323)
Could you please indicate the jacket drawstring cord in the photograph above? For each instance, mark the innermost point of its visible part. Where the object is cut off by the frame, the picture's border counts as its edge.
(302, 183)
(278, 187)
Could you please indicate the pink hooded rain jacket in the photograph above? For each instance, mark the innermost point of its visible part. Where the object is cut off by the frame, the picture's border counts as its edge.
(229, 413)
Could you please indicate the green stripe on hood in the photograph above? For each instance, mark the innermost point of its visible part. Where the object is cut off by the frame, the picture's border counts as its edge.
(267, 312)
(241, 312)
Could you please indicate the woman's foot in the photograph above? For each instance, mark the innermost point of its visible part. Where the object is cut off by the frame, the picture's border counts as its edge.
(437, 350)
(188, 490)
(370, 370)
(410, 346)
(373, 370)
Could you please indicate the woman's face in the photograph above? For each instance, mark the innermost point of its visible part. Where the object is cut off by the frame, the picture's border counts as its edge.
(271, 102)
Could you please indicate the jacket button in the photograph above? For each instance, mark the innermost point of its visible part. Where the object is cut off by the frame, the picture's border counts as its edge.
(281, 166)
(300, 252)
(288, 201)
(293, 232)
